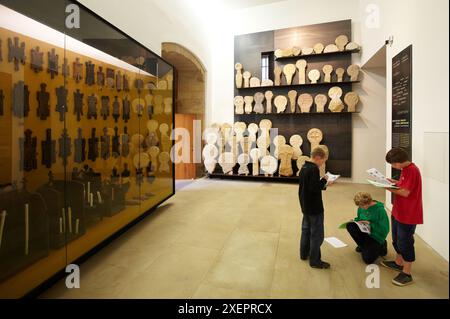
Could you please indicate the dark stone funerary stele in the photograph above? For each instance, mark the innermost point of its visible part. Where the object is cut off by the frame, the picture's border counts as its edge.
(37, 60)
(104, 111)
(92, 107)
(80, 147)
(28, 152)
(105, 144)
(116, 109)
(78, 104)
(21, 100)
(126, 109)
(1, 51)
(2, 98)
(93, 146)
(61, 102)
(43, 99)
(65, 68)
(90, 73)
(65, 146)
(53, 63)
(116, 143)
(139, 84)
(16, 52)
(77, 70)
(126, 83)
(126, 172)
(119, 81)
(100, 77)
(110, 78)
(48, 147)
(125, 142)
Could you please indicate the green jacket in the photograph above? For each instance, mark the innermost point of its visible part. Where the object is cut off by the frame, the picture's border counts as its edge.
(379, 221)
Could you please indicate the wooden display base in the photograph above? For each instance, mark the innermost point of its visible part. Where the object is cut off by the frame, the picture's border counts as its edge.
(317, 54)
(293, 86)
(260, 178)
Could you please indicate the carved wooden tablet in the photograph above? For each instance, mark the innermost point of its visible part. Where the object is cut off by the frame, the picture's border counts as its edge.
(267, 82)
(265, 125)
(268, 95)
(255, 155)
(141, 160)
(331, 48)
(285, 155)
(248, 104)
(263, 144)
(314, 136)
(305, 101)
(210, 151)
(280, 103)
(353, 72)
(352, 46)
(239, 104)
(239, 78)
(210, 165)
(278, 141)
(158, 103)
(255, 82)
(314, 75)
(320, 100)
(340, 74)
(307, 51)
(301, 66)
(247, 75)
(152, 125)
(318, 48)
(259, 99)
(327, 70)
(269, 165)
(296, 142)
(300, 162)
(278, 53)
(351, 99)
(341, 41)
(164, 158)
(296, 51)
(252, 130)
(292, 94)
(227, 162)
(336, 104)
(289, 71)
(239, 129)
(277, 72)
(243, 161)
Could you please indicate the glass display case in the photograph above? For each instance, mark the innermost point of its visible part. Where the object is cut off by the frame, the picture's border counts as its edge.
(86, 115)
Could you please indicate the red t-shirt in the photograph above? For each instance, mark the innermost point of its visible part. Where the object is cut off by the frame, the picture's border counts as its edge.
(409, 210)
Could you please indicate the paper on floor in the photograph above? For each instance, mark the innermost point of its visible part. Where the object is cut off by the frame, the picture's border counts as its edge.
(335, 242)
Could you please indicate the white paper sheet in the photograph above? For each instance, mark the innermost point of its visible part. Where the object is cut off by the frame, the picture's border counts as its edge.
(331, 177)
(380, 178)
(335, 242)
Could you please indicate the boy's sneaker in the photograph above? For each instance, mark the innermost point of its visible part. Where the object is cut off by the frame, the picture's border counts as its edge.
(321, 265)
(383, 251)
(391, 265)
(402, 279)
(358, 249)
(304, 257)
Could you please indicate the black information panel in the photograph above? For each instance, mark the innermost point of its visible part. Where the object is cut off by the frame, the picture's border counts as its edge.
(402, 102)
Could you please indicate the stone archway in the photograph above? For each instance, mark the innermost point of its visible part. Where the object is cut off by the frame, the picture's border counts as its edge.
(190, 96)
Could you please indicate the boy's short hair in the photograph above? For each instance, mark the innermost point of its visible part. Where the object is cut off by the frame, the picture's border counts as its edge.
(318, 152)
(397, 155)
(362, 199)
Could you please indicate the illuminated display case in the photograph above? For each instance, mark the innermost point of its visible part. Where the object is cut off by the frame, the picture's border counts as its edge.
(86, 115)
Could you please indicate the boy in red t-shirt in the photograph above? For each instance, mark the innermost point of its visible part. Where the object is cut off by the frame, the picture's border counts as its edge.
(407, 212)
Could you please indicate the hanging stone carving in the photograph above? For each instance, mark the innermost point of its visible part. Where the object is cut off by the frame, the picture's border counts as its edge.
(37, 60)
(80, 147)
(16, 52)
(126, 109)
(125, 143)
(48, 147)
(105, 144)
(100, 76)
(61, 102)
(28, 151)
(53, 63)
(104, 111)
(90, 73)
(92, 107)
(116, 143)
(43, 99)
(78, 104)
(21, 100)
(65, 146)
(93, 146)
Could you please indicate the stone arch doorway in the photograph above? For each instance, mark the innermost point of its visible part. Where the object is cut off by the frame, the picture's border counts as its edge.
(190, 98)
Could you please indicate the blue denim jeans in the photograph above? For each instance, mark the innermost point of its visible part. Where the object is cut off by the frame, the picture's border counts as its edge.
(312, 238)
(403, 239)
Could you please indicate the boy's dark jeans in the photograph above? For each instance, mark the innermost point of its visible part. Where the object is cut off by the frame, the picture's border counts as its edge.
(403, 239)
(312, 238)
(370, 248)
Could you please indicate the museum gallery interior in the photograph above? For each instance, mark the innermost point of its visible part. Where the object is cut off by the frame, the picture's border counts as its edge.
(156, 147)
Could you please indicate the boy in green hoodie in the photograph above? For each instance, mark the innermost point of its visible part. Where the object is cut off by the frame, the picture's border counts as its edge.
(370, 212)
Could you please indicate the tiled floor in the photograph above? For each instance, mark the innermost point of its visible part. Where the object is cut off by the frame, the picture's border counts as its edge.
(229, 239)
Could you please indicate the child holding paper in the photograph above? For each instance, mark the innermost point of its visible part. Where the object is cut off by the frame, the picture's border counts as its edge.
(371, 212)
(407, 212)
(310, 195)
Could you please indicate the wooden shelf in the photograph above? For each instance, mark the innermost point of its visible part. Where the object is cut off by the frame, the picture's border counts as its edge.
(297, 113)
(317, 55)
(281, 179)
(292, 86)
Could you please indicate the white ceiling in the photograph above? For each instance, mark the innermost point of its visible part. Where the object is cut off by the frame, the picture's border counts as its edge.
(242, 4)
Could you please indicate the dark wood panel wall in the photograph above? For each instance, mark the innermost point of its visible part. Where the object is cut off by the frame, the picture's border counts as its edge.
(337, 128)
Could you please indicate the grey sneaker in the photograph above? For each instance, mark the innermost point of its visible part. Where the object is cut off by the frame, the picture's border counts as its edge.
(402, 279)
(391, 265)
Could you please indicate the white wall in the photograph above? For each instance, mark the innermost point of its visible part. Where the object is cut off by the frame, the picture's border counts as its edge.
(423, 24)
